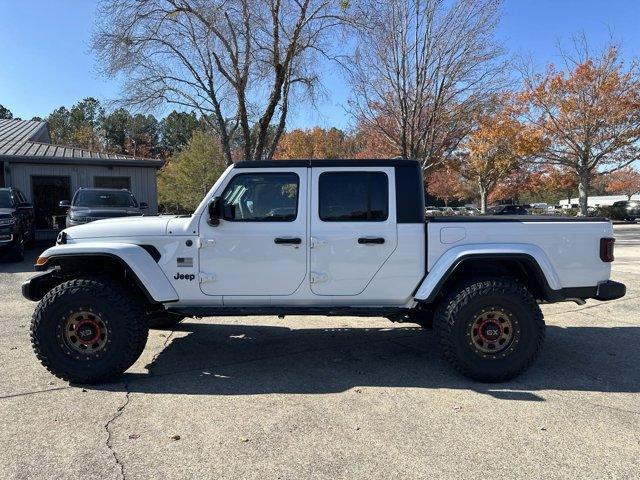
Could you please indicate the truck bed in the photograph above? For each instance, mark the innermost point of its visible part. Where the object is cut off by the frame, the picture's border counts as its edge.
(511, 218)
(569, 246)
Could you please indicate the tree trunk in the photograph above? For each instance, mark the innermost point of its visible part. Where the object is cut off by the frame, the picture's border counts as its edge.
(483, 197)
(583, 189)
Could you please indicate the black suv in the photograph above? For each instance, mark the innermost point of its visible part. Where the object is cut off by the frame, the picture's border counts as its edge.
(17, 228)
(627, 210)
(91, 204)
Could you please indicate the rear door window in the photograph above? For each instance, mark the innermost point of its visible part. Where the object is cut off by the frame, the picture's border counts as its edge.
(353, 196)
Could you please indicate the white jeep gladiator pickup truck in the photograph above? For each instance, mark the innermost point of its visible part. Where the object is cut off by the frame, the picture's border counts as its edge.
(316, 237)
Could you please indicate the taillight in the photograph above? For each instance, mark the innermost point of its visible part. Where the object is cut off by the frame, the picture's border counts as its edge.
(606, 249)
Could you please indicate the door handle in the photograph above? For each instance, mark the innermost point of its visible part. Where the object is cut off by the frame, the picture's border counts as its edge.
(287, 241)
(371, 240)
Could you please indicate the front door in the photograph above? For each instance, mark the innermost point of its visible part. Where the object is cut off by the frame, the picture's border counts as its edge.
(259, 246)
(353, 227)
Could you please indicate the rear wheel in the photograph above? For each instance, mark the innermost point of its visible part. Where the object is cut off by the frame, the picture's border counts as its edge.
(88, 330)
(490, 330)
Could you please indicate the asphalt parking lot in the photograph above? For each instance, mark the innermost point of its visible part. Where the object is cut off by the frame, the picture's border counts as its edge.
(329, 398)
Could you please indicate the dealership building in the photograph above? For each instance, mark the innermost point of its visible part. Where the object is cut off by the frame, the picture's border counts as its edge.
(47, 173)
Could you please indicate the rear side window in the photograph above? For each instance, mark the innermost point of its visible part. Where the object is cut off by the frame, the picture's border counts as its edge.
(353, 196)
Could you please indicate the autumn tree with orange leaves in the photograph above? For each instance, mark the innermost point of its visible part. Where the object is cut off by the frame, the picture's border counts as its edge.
(315, 143)
(588, 117)
(445, 185)
(625, 181)
(496, 147)
(420, 68)
(523, 180)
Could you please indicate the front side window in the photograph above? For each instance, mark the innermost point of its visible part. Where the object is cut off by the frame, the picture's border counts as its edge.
(353, 196)
(5, 199)
(261, 197)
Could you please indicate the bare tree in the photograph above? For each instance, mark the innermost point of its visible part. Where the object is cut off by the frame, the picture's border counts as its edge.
(588, 115)
(420, 70)
(237, 62)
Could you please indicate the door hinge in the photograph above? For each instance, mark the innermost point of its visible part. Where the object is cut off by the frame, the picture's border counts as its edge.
(318, 277)
(207, 278)
(316, 242)
(206, 242)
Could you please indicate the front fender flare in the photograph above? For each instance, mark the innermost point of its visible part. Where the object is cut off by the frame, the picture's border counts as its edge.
(447, 263)
(136, 259)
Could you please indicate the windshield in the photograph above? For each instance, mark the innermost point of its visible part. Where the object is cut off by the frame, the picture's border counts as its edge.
(104, 198)
(5, 199)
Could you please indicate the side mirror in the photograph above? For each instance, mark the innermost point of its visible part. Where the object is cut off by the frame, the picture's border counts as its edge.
(144, 205)
(64, 204)
(215, 211)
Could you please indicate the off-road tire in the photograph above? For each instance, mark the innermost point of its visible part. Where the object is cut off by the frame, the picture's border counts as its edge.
(163, 320)
(122, 315)
(453, 326)
(31, 243)
(16, 253)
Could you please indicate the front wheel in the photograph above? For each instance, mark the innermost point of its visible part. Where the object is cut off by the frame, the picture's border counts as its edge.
(88, 330)
(17, 251)
(490, 330)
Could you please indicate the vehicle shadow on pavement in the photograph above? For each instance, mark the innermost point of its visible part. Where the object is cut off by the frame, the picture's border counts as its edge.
(30, 256)
(247, 360)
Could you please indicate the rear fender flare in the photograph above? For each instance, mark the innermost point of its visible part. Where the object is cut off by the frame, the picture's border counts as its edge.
(452, 258)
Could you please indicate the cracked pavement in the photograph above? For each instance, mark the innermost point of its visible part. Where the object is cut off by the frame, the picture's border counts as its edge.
(328, 398)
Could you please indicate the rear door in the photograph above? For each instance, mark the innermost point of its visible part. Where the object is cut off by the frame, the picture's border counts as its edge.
(353, 227)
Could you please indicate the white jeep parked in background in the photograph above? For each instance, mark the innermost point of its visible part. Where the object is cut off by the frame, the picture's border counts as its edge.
(316, 238)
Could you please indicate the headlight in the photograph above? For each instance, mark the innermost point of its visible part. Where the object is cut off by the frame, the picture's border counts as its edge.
(7, 221)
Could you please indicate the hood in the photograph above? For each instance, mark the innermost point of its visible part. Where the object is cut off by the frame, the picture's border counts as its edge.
(6, 212)
(104, 212)
(120, 227)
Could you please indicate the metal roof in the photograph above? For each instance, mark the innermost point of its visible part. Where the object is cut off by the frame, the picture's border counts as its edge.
(21, 141)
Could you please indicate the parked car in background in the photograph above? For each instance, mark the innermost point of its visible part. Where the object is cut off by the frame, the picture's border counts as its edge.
(508, 210)
(466, 210)
(431, 211)
(540, 206)
(90, 204)
(460, 211)
(570, 207)
(625, 210)
(446, 211)
(17, 228)
(554, 210)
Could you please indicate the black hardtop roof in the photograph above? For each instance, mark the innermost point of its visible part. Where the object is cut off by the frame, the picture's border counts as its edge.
(347, 162)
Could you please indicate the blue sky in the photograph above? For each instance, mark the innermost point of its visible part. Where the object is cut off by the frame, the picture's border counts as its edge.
(45, 60)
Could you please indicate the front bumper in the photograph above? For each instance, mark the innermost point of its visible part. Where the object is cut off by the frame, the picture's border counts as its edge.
(610, 290)
(37, 286)
(8, 237)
